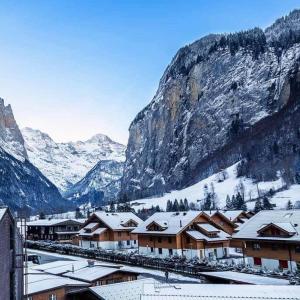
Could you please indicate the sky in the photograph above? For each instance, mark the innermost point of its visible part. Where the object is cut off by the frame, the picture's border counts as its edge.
(74, 68)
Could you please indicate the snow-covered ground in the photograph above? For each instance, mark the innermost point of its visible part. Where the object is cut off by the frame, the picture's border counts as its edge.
(195, 193)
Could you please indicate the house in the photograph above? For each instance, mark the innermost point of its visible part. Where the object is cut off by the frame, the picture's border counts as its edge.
(152, 290)
(63, 230)
(109, 231)
(43, 286)
(190, 233)
(271, 239)
(11, 257)
(88, 271)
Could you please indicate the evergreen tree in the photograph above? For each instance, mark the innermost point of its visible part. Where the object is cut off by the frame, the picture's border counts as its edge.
(240, 203)
(78, 213)
(192, 206)
(266, 203)
(42, 216)
(233, 202)
(169, 205)
(157, 208)
(181, 205)
(258, 206)
(228, 203)
(175, 206)
(186, 204)
(112, 207)
(289, 205)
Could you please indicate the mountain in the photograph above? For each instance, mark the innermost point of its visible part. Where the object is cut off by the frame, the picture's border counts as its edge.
(67, 163)
(101, 183)
(21, 184)
(224, 98)
(11, 139)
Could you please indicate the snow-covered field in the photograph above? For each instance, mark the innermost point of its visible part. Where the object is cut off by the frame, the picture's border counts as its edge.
(195, 193)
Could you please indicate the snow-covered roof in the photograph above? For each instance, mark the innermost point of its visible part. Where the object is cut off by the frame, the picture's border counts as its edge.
(247, 278)
(63, 266)
(249, 230)
(93, 273)
(53, 222)
(115, 220)
(39, 282)
(199, 236)
(208, 227)
(130, 290)
(288, 227)
(82, 232)
(217, 291)
(232, 214)
(90, 225)
(176, 221)
(2, 212)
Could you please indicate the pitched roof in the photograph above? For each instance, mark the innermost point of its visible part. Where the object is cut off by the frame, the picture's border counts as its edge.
(82, 232)
(53, 222)
(232, 214)
(176, 221)
(39, 282)
(249, 230)
(116, 220)
(208, 227)
(199, 236)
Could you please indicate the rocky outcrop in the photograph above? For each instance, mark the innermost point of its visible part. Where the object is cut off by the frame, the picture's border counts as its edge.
(11, 139)
(222, 98)
(100, 185)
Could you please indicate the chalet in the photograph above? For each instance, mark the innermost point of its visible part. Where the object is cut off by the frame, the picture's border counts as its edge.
(43, 286)
(190, 233)
(11, 257)
(63, 230)
(92, 272)
(109, 231)
(271, 239)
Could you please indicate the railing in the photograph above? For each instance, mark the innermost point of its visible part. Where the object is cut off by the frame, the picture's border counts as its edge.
(177, 264)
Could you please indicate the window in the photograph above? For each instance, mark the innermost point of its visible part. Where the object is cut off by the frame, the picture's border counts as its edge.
(134, 241)
(128, 233)
(257, 261)
(128, 242)
(170, 252)
(52, 297)
(159, 239)
(170, 240)
(283, 264)
(159, 250)
(188, 240)
(150, 238)
(274, 247)
(256, 246)
(297, 249)
(119, 233)
(151, 249)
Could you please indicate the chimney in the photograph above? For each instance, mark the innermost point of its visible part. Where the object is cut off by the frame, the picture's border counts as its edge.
(180, 222)
(91, 263)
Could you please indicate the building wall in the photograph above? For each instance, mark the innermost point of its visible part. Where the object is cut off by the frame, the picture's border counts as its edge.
(60, 295)
(11, 260)
(271, 264)
(227, 227)
(115, 278)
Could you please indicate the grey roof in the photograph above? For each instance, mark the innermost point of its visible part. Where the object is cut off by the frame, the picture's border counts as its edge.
(39, 282)
(53, 222)
(249, 229)
(176, 221)
(115, 220)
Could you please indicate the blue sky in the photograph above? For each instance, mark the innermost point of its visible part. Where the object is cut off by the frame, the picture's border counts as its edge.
(76, 68)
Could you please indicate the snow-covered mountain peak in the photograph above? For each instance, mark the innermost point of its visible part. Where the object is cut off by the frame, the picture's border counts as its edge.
(67, 163)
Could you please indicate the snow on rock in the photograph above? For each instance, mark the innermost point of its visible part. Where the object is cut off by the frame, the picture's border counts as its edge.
(67, 163)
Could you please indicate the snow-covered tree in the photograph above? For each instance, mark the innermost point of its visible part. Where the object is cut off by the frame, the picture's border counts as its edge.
(266, 203)
(258, 206)
(289, 205)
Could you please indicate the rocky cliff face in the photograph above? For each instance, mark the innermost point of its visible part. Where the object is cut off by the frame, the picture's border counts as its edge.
(67, 163)
(11, 139)
(100, 185)
(222, 98)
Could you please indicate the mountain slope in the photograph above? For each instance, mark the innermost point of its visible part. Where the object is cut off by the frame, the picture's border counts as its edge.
(11, 139)
(67, 163)
(222, 98)
(101, 184)
(23, 185)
